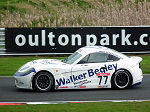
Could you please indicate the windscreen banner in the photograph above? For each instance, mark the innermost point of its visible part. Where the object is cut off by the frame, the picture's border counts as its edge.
(69, 39)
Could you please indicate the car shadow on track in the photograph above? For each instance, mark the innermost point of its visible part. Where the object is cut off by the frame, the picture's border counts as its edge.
(77, 90)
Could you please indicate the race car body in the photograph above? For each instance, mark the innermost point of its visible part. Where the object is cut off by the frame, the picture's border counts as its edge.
(88, 67)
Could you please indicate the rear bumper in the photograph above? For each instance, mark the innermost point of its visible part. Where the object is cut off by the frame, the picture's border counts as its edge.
(137, 76)
(139, 83)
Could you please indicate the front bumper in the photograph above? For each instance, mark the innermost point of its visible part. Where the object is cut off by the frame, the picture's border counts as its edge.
(24, 82)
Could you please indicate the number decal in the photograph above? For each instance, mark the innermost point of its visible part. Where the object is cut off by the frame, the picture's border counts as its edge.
(100, 77)
(104, 78)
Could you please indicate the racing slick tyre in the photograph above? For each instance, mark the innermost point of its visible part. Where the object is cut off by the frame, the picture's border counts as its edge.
(121, 79)
(43, 82)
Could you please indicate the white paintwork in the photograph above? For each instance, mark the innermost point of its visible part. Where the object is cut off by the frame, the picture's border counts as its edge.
(79, 76)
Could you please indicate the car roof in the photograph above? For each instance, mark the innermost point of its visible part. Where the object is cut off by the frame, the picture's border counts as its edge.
(92, 49)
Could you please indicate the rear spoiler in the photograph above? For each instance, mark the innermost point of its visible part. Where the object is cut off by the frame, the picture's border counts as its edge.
(137, 59)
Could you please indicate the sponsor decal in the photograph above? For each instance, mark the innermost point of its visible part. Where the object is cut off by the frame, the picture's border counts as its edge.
(89, 73)
(103, 86)
(63, 87)
(19, 83)
(46, 62)
(82, 86)
(99, 86)
(34, 62)
(82, 82)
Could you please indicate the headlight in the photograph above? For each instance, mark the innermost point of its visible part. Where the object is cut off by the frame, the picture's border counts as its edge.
(24, 72)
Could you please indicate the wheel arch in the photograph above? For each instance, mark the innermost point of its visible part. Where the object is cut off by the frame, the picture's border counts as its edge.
(125, 70)
(43, 71)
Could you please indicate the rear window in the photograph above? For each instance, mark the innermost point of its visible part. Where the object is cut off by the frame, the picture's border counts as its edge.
(112, 58)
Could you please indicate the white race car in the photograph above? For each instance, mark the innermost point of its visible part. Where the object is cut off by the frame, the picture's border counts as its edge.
(88, 67)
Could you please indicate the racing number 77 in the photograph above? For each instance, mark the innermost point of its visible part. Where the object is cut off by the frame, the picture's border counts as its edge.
(101, 77)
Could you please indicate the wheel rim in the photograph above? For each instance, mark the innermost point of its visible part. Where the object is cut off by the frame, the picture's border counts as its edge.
(43, 81)
(122, 79)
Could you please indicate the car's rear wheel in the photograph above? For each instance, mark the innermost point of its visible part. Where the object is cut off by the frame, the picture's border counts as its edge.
(121, 79)
(43, 82)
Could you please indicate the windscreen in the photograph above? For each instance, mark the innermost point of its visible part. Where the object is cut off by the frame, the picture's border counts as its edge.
(72, 58)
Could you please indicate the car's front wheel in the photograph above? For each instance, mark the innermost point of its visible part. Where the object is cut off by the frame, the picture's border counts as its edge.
(121, 79)
(43, 82)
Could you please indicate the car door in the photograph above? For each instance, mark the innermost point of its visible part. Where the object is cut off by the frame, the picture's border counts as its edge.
(91, 71)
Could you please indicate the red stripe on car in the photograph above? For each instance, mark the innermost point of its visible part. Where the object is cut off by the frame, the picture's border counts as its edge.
(102, 74)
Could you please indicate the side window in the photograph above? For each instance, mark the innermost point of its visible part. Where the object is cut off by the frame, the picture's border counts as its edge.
(84, 60)
(112, 58)
(97, 57)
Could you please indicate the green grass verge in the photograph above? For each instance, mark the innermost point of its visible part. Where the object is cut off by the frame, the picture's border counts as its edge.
(9, 65)
(145, 64)
(82, 107)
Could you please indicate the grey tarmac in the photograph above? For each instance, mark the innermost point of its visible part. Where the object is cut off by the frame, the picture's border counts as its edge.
(9, 93)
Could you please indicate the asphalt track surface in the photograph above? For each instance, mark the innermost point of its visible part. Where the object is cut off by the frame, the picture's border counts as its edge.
(8, 93)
